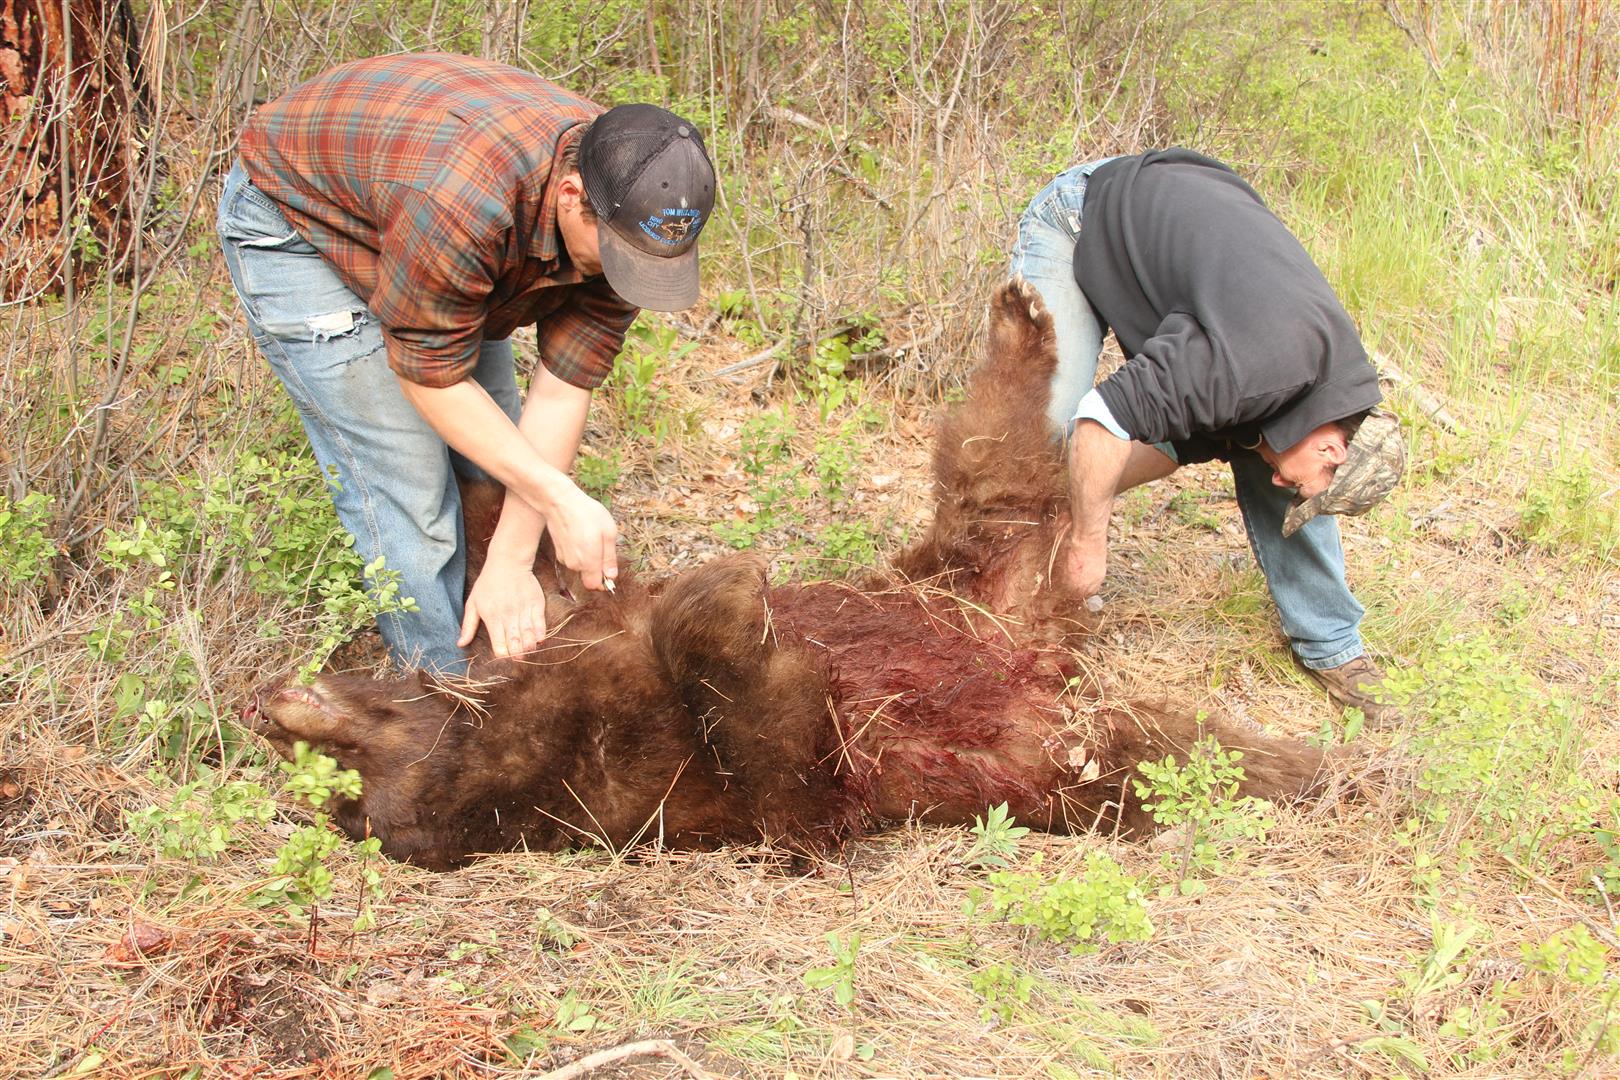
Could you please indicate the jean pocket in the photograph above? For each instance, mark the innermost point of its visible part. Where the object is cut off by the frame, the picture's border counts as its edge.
(247, 216)
(301, 307)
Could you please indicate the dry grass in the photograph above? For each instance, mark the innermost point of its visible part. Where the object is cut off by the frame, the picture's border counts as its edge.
(1264, 974)
(114, 962)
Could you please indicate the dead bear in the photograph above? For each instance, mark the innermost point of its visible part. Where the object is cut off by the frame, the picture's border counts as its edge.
(712, 708)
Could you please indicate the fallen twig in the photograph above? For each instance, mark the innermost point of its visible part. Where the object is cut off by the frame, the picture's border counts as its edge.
(753, 361)
(646, 1048)
(1431, 405)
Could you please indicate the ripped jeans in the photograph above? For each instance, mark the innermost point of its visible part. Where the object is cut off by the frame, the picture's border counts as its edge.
(393, 477)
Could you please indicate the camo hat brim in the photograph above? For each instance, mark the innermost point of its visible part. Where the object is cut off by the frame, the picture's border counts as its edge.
(1372, 467)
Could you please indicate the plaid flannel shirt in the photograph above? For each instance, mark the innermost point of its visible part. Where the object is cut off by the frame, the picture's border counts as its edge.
(424, 180)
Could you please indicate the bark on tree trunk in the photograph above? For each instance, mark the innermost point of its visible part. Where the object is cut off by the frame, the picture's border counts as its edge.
(71, 102)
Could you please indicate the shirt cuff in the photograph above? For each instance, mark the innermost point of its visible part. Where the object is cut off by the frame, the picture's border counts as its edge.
(1093, 407)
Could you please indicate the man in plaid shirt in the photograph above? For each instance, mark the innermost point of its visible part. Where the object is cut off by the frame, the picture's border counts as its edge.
(388, 226)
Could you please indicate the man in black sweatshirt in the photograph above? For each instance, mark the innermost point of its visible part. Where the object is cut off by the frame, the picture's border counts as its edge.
(1236, 349)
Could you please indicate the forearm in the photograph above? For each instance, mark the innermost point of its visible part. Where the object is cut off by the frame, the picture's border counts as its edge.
(553, 422)
(467, 418)
(1097, 464)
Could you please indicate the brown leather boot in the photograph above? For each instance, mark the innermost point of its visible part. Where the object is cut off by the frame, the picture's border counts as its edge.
(1356, 685)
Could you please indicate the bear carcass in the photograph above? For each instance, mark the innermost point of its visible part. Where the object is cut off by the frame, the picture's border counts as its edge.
(713, 708)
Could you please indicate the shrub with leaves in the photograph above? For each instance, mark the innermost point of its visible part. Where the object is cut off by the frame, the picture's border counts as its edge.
(649, 348)
(300, 877)
(1002, 990)
(25, 543)
(847, 543)
(1500, 759)
(199, 822)
(1566, 509)
(839, 976)
(1103, 904)
(766, 459)
(837, 462)
(996, 837)
(270, 517)
(598, 475)
(314, 777)
(1577, 959)
(1202, 797)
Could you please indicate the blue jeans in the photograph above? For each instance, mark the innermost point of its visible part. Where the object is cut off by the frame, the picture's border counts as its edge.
(394, 478)
(1305, 572)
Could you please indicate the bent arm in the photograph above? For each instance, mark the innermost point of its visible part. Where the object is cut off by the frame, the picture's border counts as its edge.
(467, 418)
(1101, 465)
(553, 422)
(1097, 464)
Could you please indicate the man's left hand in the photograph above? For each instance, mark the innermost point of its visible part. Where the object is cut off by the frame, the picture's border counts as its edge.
(512, 606)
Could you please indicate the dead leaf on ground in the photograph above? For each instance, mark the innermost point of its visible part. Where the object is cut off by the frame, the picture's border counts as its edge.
(141, 940)
(17, 933)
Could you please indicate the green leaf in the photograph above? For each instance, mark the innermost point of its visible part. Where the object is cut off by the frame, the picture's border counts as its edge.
(1396, 1049)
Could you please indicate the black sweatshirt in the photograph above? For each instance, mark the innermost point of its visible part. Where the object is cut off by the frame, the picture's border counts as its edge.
(1230, 329)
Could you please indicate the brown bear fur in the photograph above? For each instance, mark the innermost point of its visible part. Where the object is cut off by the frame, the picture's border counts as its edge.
(713, 708)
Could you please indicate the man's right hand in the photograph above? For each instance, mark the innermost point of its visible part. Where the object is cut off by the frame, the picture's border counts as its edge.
(583, 536)
(1085, 564)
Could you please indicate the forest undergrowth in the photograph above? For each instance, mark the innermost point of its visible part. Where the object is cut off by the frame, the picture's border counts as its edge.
(173, 903)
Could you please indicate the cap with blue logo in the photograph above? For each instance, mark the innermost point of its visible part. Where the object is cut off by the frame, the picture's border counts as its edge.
(651, 184)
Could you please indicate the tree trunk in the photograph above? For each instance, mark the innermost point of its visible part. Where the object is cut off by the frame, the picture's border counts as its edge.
(71, 99)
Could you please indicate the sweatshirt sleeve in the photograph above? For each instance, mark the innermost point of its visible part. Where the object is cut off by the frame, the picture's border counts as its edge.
(1181, 384)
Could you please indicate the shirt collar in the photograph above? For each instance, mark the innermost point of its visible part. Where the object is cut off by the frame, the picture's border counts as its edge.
(550, 248)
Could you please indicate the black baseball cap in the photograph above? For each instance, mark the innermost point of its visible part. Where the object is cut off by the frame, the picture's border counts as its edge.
(652, 187)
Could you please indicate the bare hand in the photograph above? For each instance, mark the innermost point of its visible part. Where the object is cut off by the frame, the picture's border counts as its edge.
(1085, 564)
(512, 606)
(583, 535)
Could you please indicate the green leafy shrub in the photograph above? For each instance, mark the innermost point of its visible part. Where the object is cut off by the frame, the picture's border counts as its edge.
(1567, 509)
(316, 778)
(598, 475)
(25, 545)
(649, 349)
(1103, 904)
(830, 387)
(159, 546)
(996, 837)
(300, 878)
(839, 976)
(847, 543)
(199, 823)
(269, 518)
(765, 457)
(837, 463)
(1001, 989)
(1202, 796)
(1576, 958)
(1499, 756)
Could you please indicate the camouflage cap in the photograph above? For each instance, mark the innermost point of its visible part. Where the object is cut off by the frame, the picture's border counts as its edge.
(1371, 469)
